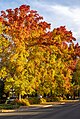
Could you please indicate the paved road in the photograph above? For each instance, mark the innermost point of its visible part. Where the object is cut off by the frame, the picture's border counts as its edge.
(66, 111)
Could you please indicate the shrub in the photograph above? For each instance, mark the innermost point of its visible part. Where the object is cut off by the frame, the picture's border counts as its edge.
(42, 100)
(25, 102)
(34, 100)
(53, 99)
(22, 102)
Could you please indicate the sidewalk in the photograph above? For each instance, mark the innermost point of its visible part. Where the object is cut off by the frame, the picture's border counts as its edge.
(37, 106)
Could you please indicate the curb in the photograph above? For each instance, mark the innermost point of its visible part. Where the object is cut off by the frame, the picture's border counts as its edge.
(4, 110)
(25, 108)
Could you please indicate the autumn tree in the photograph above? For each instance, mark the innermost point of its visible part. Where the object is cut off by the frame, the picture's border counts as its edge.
(52, 62)
(33, 58)
(23, 29)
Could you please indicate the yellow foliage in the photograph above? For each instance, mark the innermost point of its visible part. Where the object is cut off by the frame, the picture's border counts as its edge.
(1, 29)
(20, 68)
(3, 72)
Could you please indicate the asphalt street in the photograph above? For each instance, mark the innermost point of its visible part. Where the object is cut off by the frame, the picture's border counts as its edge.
(61, 111)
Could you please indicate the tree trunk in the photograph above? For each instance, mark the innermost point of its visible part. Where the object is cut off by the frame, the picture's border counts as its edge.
(74, 95)
(19, 96)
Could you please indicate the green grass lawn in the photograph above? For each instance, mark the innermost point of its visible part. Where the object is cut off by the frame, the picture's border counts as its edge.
(8, 106)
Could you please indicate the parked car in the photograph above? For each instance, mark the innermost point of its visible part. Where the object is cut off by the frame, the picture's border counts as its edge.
(9, 100)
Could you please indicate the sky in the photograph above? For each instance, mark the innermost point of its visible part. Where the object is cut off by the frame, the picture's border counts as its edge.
(57, 12)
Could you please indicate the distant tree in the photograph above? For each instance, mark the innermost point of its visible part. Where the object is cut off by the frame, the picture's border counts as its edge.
(76, 79)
